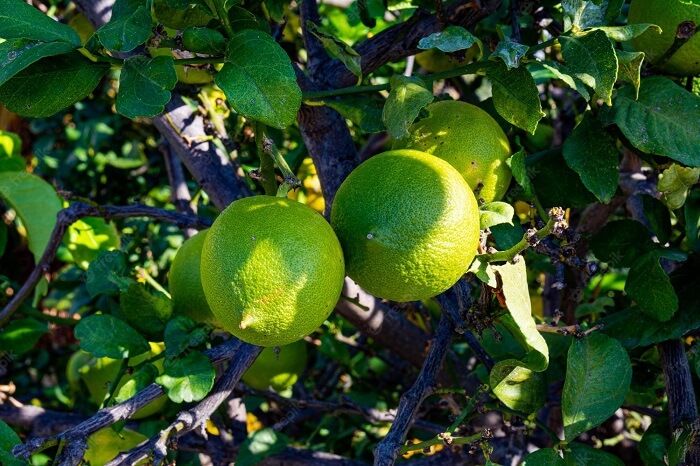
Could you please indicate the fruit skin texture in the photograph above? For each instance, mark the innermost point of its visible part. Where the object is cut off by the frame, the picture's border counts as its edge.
(277, 371)
(105, 444)
(272, 270)
(186, 282)
(667, 14)
(408, 223)
(470, 140)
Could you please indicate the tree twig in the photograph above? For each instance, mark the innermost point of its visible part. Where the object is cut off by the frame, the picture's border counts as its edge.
(388, 449)
(180, 195)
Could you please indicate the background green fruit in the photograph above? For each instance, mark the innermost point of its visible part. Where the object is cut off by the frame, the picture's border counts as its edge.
(186, 282)
(470, 140)
(185, 75)
(272, 270)
(277, 371)
(435, 60)
(408, 223)
(105, 444)
(667, 14)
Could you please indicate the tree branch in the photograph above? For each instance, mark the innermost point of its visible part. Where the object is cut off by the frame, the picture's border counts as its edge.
(388, 449)
(180, 195)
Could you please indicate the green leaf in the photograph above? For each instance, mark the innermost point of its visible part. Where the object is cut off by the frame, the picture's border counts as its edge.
(240, 19)
(629, 68)
(515, 95)
(591, 152)
(22, 334)
(518, 387)
(338, 48)
(561, 72)
(579, 454)
(140, 380)
(495, 213)
(484, 272)
(555, 183)
(598, 375)
(517, 297)
(628, 31)
(203, 40)
(17, 54)
(182, 333)
(621, 242)
(544, 457)
(10, 145)
(407, 97)
(18, 20)
(145, 311)
(276, 9)
(125, 32)
(510, 52)
(8, 440)
(691, 209)
(451, 39)
(105, 335)
(590, 13)
(48, 86)
(363, 112)
(516, 162)
(266, 91)
(86, 239)
(653, 447)
(659, 217)
(105, 274)
(179, 15)
(261, 444)
(674, 184)
(145, 85)
(35, 203)
(592, 59)
(187, 379)
(663, 121)
(649, 286)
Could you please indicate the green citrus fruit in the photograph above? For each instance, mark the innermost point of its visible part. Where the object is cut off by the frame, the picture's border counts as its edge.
(97, 373)
(186, 282)
(105, 444)
(272, 270)
(470, 140)
(279, 371)
(435, 60)
(667, 14)
(408, 223)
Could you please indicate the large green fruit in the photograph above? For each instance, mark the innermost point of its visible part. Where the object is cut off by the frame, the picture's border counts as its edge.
(408, 223)
(279, 371)
(668, 14)
(470, 140)
(272, 270)
(186, 282)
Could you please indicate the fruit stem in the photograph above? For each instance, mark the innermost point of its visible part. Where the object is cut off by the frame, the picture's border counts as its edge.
(443, 439)
(113, 384)
(685, 31)
(143, 273)
(267, 164)
(530, 238)
(269, 152)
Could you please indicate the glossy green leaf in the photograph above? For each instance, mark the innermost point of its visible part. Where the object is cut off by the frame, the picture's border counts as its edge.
(653, 447)
(664, 120)
(145, 311)
(36, 204)
(18, 20)
(407, 97)
(338, 48)
(8, 440)
(145, 85)
(86, 239)
(182, 333)
(560, 71)
(181, 14)
(579, 454)
(586, 13)
(140, 380)
(674, 184)
(555, 183)
(515, 95)
(365, 113)
(628, 31)
(48, 86)
(495, 213)
(262, 90)
(516, 162)
(125, 32)
(203, 40)
(105, 335)
(598, 375)
(107, 274)
(451, 39)
(621, 242)
(261, 444)
(17, 54)
(518, 387)
(241, 19)
(591, 152)
(187, 379)
(510, 52)
(544, 457)
(592, 59)
(22, 334)
(629, 68)
(649, 286)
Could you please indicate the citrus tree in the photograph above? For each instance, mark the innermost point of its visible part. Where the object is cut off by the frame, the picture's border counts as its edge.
(445, 232)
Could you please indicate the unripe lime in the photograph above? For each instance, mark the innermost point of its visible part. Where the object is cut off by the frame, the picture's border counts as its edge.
(279, 371)
(272, 270)
(105, 444)
(186, 282)
(470, 140)
(667, 14)
(408, 223)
